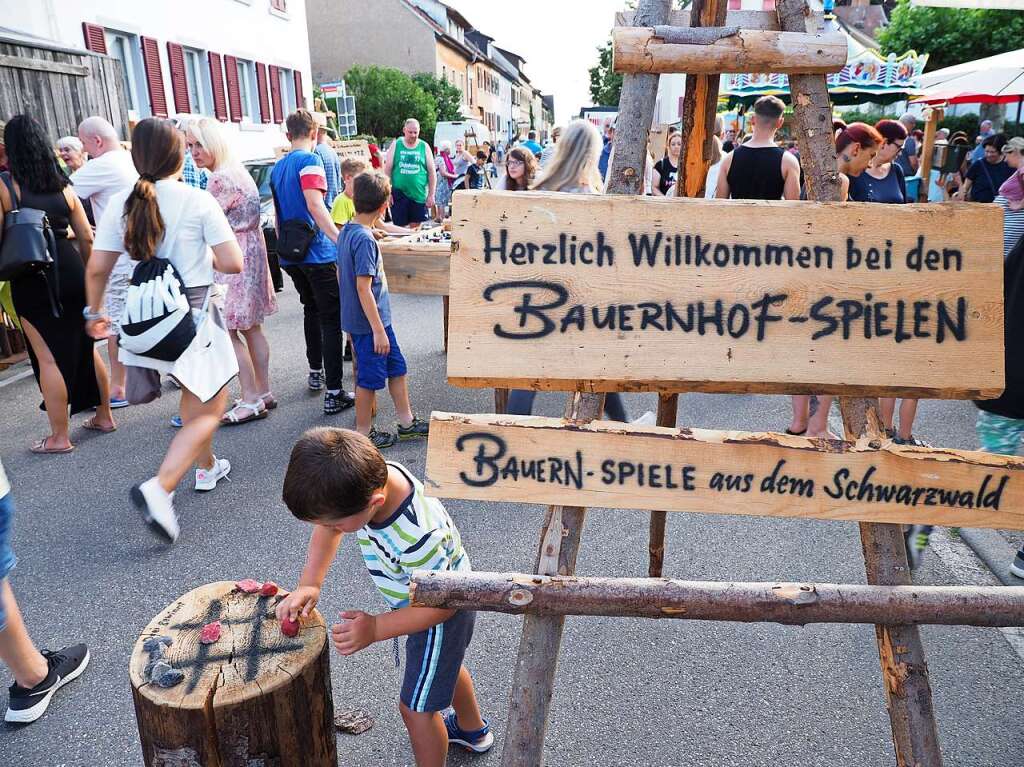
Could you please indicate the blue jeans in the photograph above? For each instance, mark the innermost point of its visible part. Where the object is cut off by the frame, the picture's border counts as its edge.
(7, 558)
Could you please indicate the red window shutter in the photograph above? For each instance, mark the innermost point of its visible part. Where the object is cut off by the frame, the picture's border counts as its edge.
(275, 91)
(220, 106)
(261, 85)
(734, 5)
(234, 95)
(179, 84)
(300, 100)
(154, 77)
(279, 5)
(95, 39)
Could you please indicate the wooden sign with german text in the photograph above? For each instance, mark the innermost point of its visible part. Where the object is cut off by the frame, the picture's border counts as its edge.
(529, 459)
(615, 293)
(353, 148)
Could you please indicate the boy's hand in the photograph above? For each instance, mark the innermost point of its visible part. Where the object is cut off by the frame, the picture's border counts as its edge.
(381, 344)
(357, 632)
(299, 603)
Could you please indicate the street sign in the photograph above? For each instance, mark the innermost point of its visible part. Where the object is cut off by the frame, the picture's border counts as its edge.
(610, 293)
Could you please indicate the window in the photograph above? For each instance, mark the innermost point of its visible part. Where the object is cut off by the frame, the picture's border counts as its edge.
(287, 85)
(125, 48)
(195, 82)
(246, 88)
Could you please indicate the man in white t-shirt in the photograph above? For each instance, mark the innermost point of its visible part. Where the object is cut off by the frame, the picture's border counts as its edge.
(109, 171)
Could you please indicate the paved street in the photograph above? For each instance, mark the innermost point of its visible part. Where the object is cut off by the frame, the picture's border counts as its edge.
(629, 692)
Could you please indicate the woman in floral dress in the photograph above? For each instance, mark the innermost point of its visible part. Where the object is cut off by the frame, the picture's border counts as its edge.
(250, 296)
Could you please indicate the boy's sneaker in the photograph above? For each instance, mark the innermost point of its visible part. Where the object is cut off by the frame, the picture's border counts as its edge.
(418, 428)
(207, 479)
(915, 537)
(157, 507)
(335, 403)
(315, 380)
(27, 705)
(477, 741)
(176, 421)
(382, 439)
(1017, 568)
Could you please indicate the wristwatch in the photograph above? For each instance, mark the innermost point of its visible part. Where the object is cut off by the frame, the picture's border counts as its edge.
(91, 316)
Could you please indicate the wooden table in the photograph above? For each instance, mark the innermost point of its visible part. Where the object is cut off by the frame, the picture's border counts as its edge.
(415, 265)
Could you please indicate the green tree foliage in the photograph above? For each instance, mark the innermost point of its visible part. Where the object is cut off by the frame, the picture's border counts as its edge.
(605, 85)
(951, 35)
(386, 97)
(447, 98)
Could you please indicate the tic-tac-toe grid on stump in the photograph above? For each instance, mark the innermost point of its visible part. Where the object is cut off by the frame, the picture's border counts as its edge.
(254, 697)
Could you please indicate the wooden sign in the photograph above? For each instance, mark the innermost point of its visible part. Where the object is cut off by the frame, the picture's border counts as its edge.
(614, 293)
(353, 148)
(418, 263)
(549, 461)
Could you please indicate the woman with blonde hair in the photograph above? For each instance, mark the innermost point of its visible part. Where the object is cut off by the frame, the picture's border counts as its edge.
(520, 169)
(250, 296)
(162, 218)
(573, 169)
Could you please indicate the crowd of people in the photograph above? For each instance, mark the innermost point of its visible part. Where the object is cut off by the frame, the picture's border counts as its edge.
(160, 254)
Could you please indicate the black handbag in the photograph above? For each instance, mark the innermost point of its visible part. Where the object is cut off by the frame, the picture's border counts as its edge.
(29, 246)
(294, 237)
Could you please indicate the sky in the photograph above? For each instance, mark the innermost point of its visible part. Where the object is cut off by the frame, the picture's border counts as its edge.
(558, 39)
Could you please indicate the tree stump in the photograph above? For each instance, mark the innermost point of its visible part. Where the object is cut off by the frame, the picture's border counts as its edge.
(253, 698)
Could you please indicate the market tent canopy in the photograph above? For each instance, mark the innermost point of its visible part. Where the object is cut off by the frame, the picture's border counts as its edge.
(991, 86)
(867, 76)
(1008, 60)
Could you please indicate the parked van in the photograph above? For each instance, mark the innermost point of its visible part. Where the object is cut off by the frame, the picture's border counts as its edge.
(472, 132)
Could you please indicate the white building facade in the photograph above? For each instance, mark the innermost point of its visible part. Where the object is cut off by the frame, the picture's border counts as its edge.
(244, 62)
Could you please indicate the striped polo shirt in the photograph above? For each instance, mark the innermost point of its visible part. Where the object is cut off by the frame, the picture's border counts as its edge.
(420, 535)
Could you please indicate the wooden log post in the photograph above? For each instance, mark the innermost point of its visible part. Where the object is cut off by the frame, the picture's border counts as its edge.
(711, 51)
(791, 604)
(254, 696)
(905, 673)
(668, 411)
(931, 126)
(537, 661)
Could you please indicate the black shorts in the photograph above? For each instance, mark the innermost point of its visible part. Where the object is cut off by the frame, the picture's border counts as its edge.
(432, 662)
(405, 211)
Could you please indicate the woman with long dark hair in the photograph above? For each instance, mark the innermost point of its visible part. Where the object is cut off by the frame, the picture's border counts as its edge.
(160, 217)
(520, 168)
(68, 369)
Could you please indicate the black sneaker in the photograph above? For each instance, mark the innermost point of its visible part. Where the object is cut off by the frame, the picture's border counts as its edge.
(335, 403)
(315, 380)
(382, 439)
(418, 428)
(27, 705)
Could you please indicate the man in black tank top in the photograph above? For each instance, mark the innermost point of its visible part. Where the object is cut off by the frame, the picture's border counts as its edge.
(760, 169)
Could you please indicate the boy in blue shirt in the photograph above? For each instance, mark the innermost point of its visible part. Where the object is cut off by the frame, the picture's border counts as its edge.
(339, 482)
(366, 315)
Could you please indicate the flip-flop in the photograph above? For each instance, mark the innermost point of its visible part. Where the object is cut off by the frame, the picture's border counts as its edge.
(796, 433)
(91, 425)
(40, 448)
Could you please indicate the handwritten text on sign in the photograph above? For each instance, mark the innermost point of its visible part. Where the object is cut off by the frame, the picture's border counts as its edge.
(543, 460)
(630, 293)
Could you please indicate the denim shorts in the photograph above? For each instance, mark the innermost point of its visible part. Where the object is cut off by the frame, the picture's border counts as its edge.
(373, 370)
(7, 558)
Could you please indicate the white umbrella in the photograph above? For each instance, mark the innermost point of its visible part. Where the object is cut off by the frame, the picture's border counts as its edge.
(989, 86)
(1008, 60)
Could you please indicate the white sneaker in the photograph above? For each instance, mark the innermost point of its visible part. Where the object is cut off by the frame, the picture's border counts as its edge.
(157, 507)
(207, 479)
(647, 419)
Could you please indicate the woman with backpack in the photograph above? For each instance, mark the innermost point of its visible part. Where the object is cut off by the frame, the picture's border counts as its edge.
(177, 236)
(49, 302)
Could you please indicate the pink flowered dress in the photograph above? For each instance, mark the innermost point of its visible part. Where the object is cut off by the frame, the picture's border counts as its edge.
(250, 297)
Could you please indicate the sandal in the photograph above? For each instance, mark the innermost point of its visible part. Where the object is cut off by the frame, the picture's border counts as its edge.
(796, 433)
(41, 448)
(91, 425)
(257, 411)
(269, 401)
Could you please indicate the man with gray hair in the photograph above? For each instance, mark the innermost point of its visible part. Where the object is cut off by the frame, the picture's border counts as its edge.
(907, 159)
(985, 130)
(409, 164)
(110, 171)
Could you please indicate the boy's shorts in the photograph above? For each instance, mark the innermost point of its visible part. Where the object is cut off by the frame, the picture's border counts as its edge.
(373, 370)
(7, 559)
(432, 662)
(405, 211)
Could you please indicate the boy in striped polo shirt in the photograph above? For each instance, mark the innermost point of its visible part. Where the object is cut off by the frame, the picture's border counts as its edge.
(339, 482)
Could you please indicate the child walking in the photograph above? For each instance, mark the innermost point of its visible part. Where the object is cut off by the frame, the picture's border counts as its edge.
(366, 315)
(338, 481)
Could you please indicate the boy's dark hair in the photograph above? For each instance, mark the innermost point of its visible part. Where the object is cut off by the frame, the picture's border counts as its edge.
(769, 107)
(370, 191)
(331, 474)
(481, 156)
(300, 124)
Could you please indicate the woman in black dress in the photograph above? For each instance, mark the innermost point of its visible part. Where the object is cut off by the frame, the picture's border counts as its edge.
(69, 371)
